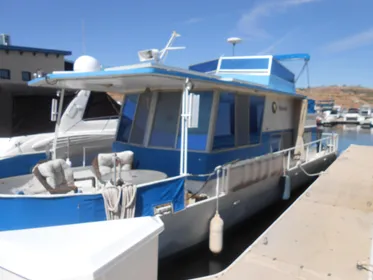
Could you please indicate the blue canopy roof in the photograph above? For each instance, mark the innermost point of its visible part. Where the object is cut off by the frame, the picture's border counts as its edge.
(135, 77)
(295, 56)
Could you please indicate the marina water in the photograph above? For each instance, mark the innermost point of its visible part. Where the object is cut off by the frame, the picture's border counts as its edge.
(199, 261)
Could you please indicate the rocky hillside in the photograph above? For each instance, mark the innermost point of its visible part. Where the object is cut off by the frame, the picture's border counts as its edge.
(346, 96)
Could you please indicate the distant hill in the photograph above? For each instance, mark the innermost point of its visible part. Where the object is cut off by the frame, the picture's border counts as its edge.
(345, 96)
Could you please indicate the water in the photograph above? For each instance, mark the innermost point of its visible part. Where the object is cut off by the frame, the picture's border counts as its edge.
(199, 261)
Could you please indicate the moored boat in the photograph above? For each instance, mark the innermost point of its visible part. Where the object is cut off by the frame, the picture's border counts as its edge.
(190, 143)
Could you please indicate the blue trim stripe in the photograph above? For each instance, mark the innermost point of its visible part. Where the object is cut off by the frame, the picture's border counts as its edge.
(21, 212)
(37, 50)
(168, 161)
(295, 56)
(20, 164)
(205, 66)
(149, 70)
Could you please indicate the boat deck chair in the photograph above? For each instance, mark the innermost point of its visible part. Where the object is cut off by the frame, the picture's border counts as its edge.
(57, 176)
(104, 163)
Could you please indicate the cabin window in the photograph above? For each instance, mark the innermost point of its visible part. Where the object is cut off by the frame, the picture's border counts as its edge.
(141, 118)
(5, 74)
(200, 107)
(242, 120)
(101, 106)
(287, 140)
(166, 117)
(256, 118)
(26, 76)
(275, 143)
(225, 122)
(128, 114)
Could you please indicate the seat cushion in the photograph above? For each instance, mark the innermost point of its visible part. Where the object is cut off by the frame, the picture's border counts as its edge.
(106, 162)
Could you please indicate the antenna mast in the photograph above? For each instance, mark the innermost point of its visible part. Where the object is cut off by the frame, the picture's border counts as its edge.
(83, 37)
(159, 56)
(234, 41)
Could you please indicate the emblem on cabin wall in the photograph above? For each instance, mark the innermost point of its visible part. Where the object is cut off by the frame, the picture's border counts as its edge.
(274, 107)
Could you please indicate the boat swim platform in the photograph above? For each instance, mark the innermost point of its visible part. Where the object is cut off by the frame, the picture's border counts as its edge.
(325, 234)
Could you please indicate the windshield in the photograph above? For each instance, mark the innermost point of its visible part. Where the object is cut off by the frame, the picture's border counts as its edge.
(353, 110)
(334, 112)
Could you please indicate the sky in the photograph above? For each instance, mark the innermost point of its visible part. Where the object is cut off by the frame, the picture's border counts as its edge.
(338, 34)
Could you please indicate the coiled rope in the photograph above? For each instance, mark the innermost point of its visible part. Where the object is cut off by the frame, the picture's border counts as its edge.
(120, 201)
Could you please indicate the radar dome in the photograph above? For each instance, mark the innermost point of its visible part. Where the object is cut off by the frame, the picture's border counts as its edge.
(86, 63)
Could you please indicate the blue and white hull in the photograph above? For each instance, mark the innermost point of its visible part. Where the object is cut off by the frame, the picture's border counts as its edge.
(186, 124)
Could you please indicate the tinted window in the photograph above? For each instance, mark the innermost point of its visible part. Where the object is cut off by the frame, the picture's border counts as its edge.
(26, 76)
(242, 120)
(5, 74)
(101, 106)
(126, 119)
(353, 110)
(224, 126)
(141, 118)
(165, 120)
(256, 118)
(275, 143)
(201, 104)
(26, 119)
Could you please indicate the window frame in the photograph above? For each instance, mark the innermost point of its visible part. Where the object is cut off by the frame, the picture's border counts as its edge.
(214, 117)
(151, 119)
(26, 72)
(261, 125)
(212, 123)
(9, 76)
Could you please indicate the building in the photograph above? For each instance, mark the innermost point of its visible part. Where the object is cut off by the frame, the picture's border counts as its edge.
(17, 63)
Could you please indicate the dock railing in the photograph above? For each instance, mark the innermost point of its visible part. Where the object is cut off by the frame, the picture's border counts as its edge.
(325, 145)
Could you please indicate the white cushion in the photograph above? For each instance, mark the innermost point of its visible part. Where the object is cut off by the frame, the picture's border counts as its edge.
(106, 163)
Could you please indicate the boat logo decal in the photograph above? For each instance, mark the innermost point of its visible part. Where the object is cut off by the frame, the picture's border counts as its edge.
(274, 107)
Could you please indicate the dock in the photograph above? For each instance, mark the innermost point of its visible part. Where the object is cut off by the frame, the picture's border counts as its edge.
(325, 234)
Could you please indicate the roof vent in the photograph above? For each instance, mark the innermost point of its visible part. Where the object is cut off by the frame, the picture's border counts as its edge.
(4, 40)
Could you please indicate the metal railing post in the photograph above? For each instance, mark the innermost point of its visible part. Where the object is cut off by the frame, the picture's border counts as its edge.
(83, 156)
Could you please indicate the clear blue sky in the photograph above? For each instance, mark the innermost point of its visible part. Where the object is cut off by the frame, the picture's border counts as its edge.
(338, 34)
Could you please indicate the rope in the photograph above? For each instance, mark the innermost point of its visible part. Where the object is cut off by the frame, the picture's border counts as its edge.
(308, 174)
(209, 175)
(364, 266)
(120, 201)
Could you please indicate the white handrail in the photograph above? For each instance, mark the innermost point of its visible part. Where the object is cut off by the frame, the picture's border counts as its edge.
(332, 146)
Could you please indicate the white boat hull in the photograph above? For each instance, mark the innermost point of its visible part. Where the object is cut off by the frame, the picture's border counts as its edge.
(191, 226)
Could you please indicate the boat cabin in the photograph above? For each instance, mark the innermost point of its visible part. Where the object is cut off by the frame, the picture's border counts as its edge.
(229, 118)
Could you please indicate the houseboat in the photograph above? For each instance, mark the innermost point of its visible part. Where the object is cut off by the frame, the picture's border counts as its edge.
(216, 142)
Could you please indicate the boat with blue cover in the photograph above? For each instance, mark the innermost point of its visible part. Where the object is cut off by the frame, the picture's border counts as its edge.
(225, 136)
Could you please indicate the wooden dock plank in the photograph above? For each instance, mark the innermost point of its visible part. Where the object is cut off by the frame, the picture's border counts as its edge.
(324, 234)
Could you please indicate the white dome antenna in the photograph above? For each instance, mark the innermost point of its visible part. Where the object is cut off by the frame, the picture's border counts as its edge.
(234, 41)
(86, 63)
(159, 56)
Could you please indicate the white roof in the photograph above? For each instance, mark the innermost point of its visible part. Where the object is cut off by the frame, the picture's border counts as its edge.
(73, 251)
